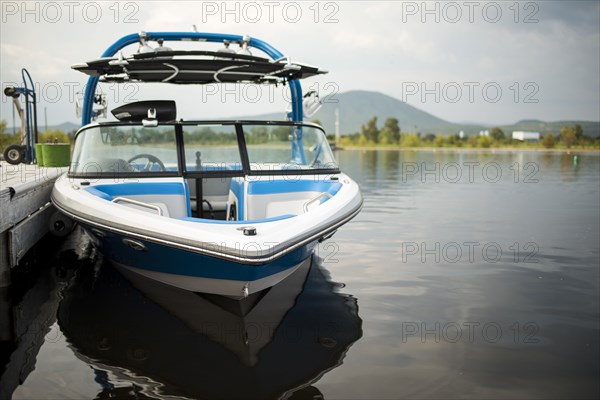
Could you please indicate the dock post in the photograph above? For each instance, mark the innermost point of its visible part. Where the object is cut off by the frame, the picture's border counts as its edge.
(6, 331)
(4, 262)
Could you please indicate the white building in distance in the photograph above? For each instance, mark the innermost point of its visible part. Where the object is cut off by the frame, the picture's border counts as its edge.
(526, 136)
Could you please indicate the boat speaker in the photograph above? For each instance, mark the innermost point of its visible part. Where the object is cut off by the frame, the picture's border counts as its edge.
(166, 110)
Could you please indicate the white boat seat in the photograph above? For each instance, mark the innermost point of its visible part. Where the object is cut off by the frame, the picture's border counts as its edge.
(259, 199)
(170, 197)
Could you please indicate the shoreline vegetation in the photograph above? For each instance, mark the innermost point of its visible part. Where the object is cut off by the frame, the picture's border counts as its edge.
(391, 137)
(507, 149)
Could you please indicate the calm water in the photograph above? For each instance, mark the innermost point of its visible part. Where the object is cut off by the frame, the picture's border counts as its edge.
(467, 275)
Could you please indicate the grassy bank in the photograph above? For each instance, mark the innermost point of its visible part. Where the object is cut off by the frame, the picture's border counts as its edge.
(562, 149)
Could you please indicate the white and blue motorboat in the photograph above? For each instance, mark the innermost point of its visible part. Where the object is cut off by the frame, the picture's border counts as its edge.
(222, 207)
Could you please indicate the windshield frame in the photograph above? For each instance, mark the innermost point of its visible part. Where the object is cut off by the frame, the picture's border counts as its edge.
(181, 159)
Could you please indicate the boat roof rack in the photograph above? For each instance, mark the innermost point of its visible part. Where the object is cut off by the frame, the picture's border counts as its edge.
(220, 54)
(195, 67)
(114, 67)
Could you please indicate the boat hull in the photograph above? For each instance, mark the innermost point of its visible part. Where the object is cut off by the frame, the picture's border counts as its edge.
(194, 271)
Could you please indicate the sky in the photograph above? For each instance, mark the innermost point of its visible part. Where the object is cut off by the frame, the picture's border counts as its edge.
(463, 61)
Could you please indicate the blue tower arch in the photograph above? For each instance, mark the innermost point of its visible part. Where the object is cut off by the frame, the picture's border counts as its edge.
(90, 89)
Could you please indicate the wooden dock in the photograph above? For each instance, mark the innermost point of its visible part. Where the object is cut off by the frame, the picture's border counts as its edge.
(25, 210)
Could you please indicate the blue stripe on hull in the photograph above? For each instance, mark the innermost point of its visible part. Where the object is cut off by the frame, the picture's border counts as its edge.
(161, 258)
(136, 188)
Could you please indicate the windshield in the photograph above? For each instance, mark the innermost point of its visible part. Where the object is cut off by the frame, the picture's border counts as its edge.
(129, 150)
(283, 147)
(211, 148)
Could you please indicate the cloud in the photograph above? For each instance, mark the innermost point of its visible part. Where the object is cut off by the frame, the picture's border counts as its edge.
(579, 15)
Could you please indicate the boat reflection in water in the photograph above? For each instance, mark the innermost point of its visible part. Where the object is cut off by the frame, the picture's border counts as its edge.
(160, 341)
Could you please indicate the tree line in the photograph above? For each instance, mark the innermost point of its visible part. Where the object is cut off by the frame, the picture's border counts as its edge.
(390, 135)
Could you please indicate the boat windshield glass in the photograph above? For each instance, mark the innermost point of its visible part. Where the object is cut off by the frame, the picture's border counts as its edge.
(287, 147)
(211, 148)
(126, 150)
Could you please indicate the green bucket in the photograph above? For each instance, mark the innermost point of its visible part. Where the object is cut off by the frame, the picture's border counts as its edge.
(39, 154)
(56, 155)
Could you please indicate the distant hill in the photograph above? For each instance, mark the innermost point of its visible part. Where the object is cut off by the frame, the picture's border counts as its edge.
(590, 128)
(65, 127)
(358, 106)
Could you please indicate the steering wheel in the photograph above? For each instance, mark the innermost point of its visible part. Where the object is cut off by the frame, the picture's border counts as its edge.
(148, 166)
